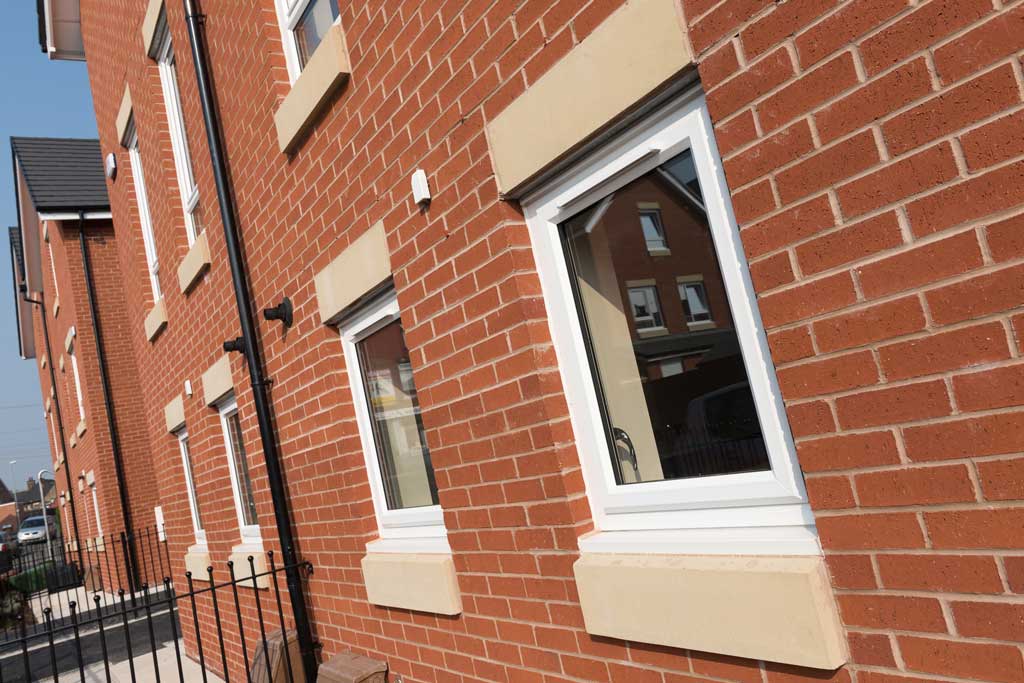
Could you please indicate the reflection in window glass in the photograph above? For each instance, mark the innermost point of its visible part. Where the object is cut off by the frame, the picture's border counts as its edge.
(313, 25)
(695, 302)
(243, 478)
(402, 453)
(654, 233)
(677, 405)
(646, 310)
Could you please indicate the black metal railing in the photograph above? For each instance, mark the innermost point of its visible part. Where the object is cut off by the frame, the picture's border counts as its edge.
(111, 621)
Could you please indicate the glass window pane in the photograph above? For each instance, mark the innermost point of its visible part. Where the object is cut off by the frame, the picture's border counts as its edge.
(676, 405)
(190, 482)
(313, 25)
(245, 494)
(402, 453)
(650, 222)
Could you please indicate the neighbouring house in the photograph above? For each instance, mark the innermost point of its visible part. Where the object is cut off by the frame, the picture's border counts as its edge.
(591, 340)
(72, 311)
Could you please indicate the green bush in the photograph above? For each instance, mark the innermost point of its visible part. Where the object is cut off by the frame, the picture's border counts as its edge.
(30, 581)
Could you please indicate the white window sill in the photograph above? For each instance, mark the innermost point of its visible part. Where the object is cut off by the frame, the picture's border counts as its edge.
(782, 540)
(647, 332)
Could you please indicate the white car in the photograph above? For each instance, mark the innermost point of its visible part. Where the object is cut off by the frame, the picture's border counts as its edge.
(33, 530)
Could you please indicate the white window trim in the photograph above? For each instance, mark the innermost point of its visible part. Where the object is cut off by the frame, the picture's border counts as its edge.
(145, 219)
(53, 268)
(249, 533)
(748, 512)
(96, 509)
(187, 187)
(413, 530)
(190, 487)
(289, 12)
(78, 380)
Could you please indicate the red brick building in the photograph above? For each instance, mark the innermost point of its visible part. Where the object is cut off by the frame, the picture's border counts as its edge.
(700, 361)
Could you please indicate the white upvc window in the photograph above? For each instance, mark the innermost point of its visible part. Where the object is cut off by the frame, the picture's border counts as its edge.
(694, 297)
(53, 265)
(190, 487)
(401, 475)
(304, 23)
(241, 477)
(653, 229)
(78, 381)
(698, 461)
(646, 308)
(145, 219)
(187, 187)
(96, 510)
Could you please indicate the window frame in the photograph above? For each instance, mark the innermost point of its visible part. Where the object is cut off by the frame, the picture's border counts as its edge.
(288, 18)
(190, 486)
(419, 529)
(746, 512)
(142, 204)
(657, 225)
(95, 509)
(249, 533)
(184, 173)
(77, 378)
(656, 314)
(682, 283)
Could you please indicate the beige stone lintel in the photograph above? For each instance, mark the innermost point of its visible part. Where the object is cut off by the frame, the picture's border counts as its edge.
(197, 560)
(325, 72)
(419, 582)
(73, 441)
(124, 115)
(239, 557)
(777, 609)
(56, 306)
(81, 428)
(195, 263)
(150, 23)
(69, 339)
(60, 364)
(636, 50)
(49, 402)
(217, 382)
(174, 414)
(42, 362)
(156, 321)
(363, 265)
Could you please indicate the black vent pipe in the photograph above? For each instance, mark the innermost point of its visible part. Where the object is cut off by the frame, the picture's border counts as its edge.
(41, 303)
(246, 320)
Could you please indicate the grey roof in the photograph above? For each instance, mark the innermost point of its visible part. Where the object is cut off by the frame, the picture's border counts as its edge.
(62, 174)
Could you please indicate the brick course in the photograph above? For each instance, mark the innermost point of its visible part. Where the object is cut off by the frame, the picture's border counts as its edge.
(869, 148)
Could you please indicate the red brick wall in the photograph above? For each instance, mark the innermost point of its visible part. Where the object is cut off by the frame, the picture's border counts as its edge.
(871, 217)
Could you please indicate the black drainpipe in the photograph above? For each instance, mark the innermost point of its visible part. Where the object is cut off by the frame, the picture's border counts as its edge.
(41, 303)
(115, 438)
(247, 343)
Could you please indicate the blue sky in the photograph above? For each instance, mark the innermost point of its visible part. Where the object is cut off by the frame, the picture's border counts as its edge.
(39, 98)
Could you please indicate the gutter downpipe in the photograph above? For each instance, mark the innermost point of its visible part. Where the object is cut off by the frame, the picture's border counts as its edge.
(60, 421)
(248, 340)
(115, 437)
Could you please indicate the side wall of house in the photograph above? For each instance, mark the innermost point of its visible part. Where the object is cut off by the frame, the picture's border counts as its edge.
(874, 173)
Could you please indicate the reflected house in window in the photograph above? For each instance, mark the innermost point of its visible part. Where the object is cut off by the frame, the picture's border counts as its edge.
(646, 267)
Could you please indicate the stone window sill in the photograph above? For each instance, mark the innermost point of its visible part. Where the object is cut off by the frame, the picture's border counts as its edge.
(324, 74)
(422, 582)
(80, 429)
(197, 560)
(156, 321)
(195, 264)
(773, 608)
(239, 558)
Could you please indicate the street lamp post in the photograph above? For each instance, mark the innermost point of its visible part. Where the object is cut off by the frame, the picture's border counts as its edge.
(42, 506)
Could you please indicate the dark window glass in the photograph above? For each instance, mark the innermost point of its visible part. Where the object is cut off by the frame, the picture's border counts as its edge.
(313, 26)
(402, 451)
(242, 470)
(676, 401)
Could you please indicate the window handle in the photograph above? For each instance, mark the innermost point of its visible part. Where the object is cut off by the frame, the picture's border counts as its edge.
(622, 435)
